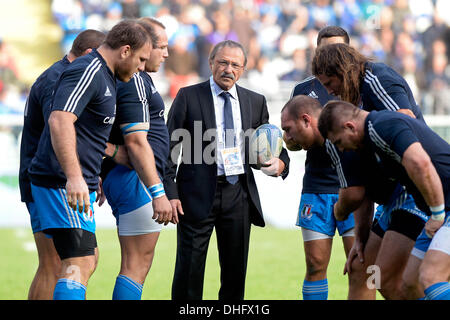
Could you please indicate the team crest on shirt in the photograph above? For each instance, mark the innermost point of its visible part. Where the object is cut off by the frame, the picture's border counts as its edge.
(306, 212)
(89, 216)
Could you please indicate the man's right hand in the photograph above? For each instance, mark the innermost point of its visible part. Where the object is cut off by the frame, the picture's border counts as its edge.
(162, 210)
(356, 251)
(78, 193)
(176, 209)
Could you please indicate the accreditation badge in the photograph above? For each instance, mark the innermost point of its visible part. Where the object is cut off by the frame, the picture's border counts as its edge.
(232, 161)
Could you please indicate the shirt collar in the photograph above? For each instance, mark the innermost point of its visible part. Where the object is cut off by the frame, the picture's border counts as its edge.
(218, 90)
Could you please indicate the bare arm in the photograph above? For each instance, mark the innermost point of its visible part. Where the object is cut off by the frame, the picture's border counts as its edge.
(350, 199)
(363, 221)
(63, 136)
(118, 153)
(143, 161)
(422, 172)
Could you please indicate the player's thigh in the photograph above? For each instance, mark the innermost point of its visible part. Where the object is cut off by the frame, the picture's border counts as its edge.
(318, 251)
(348, 242)
(370, 253)
(436, 263)
(122, 179)
(316, 213)
(46, 249)
(411, 286)
(138, 245)
(393, 254)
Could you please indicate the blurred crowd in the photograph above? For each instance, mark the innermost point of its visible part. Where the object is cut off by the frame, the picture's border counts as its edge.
(412, 36)
(12, 91)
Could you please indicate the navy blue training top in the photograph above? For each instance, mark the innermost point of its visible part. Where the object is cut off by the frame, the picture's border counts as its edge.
(383, 88)
(36, 113)
(320, 176)
(388, 135)
(139, 101)
(87, 88)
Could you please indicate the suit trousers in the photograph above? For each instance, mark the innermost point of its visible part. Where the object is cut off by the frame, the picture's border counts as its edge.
(230, 218)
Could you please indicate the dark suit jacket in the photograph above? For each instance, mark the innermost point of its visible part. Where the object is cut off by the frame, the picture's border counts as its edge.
(195, 184)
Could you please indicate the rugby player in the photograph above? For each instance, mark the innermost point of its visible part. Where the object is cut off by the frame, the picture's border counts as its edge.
(320, 188)
(140, 212)
(37, 110)
(411, 153)
(64, 172)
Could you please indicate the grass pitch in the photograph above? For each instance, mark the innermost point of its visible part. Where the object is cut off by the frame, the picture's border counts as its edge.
(276, 266)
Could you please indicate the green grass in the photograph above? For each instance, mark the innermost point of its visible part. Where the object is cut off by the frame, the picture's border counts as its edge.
(275, 271)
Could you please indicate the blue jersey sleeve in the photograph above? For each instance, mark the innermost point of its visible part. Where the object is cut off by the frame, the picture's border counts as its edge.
(133, 106)
(76, 88)
(386, 90)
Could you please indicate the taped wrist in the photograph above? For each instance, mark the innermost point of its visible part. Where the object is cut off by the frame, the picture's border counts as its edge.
(157, 190)
(437, 212)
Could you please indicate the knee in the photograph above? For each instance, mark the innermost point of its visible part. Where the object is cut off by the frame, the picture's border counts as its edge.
(358, 273)
(427, 276)
(411, 290)
(316, 265)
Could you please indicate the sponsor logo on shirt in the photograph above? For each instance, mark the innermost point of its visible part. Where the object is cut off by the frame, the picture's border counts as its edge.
(107, 92)
(109, 120)
(312, 94)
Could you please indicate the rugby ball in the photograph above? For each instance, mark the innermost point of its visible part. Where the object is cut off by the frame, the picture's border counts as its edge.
(266, 143)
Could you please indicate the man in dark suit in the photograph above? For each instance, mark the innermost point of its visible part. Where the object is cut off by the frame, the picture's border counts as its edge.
(211, 117)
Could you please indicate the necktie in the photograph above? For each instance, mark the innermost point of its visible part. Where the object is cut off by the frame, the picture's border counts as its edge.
(228, 125)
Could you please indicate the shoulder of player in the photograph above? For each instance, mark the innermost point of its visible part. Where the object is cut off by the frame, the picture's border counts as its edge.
(139, 86)
(306, 82)
(384, 122)
(304, 86)
(379, 72)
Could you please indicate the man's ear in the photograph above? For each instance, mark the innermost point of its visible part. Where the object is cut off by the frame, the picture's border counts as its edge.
(306, 119)
(350, 125)
(125, 51)
(87, 51)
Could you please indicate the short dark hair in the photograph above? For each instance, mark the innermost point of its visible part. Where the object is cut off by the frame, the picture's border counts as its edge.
(152, 21)
(149, 27)
(88, 39)
(302, 104)
(333, 112)
(230, 44)
(128, 32)
(332, 31)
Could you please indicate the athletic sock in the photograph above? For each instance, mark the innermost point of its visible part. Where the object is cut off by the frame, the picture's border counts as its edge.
(67, 289)
(127, 289)
(315, 290)
(438, 291)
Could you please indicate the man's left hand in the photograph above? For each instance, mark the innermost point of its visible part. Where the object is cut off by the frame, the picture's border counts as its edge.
(432, 226)
(274, 167)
